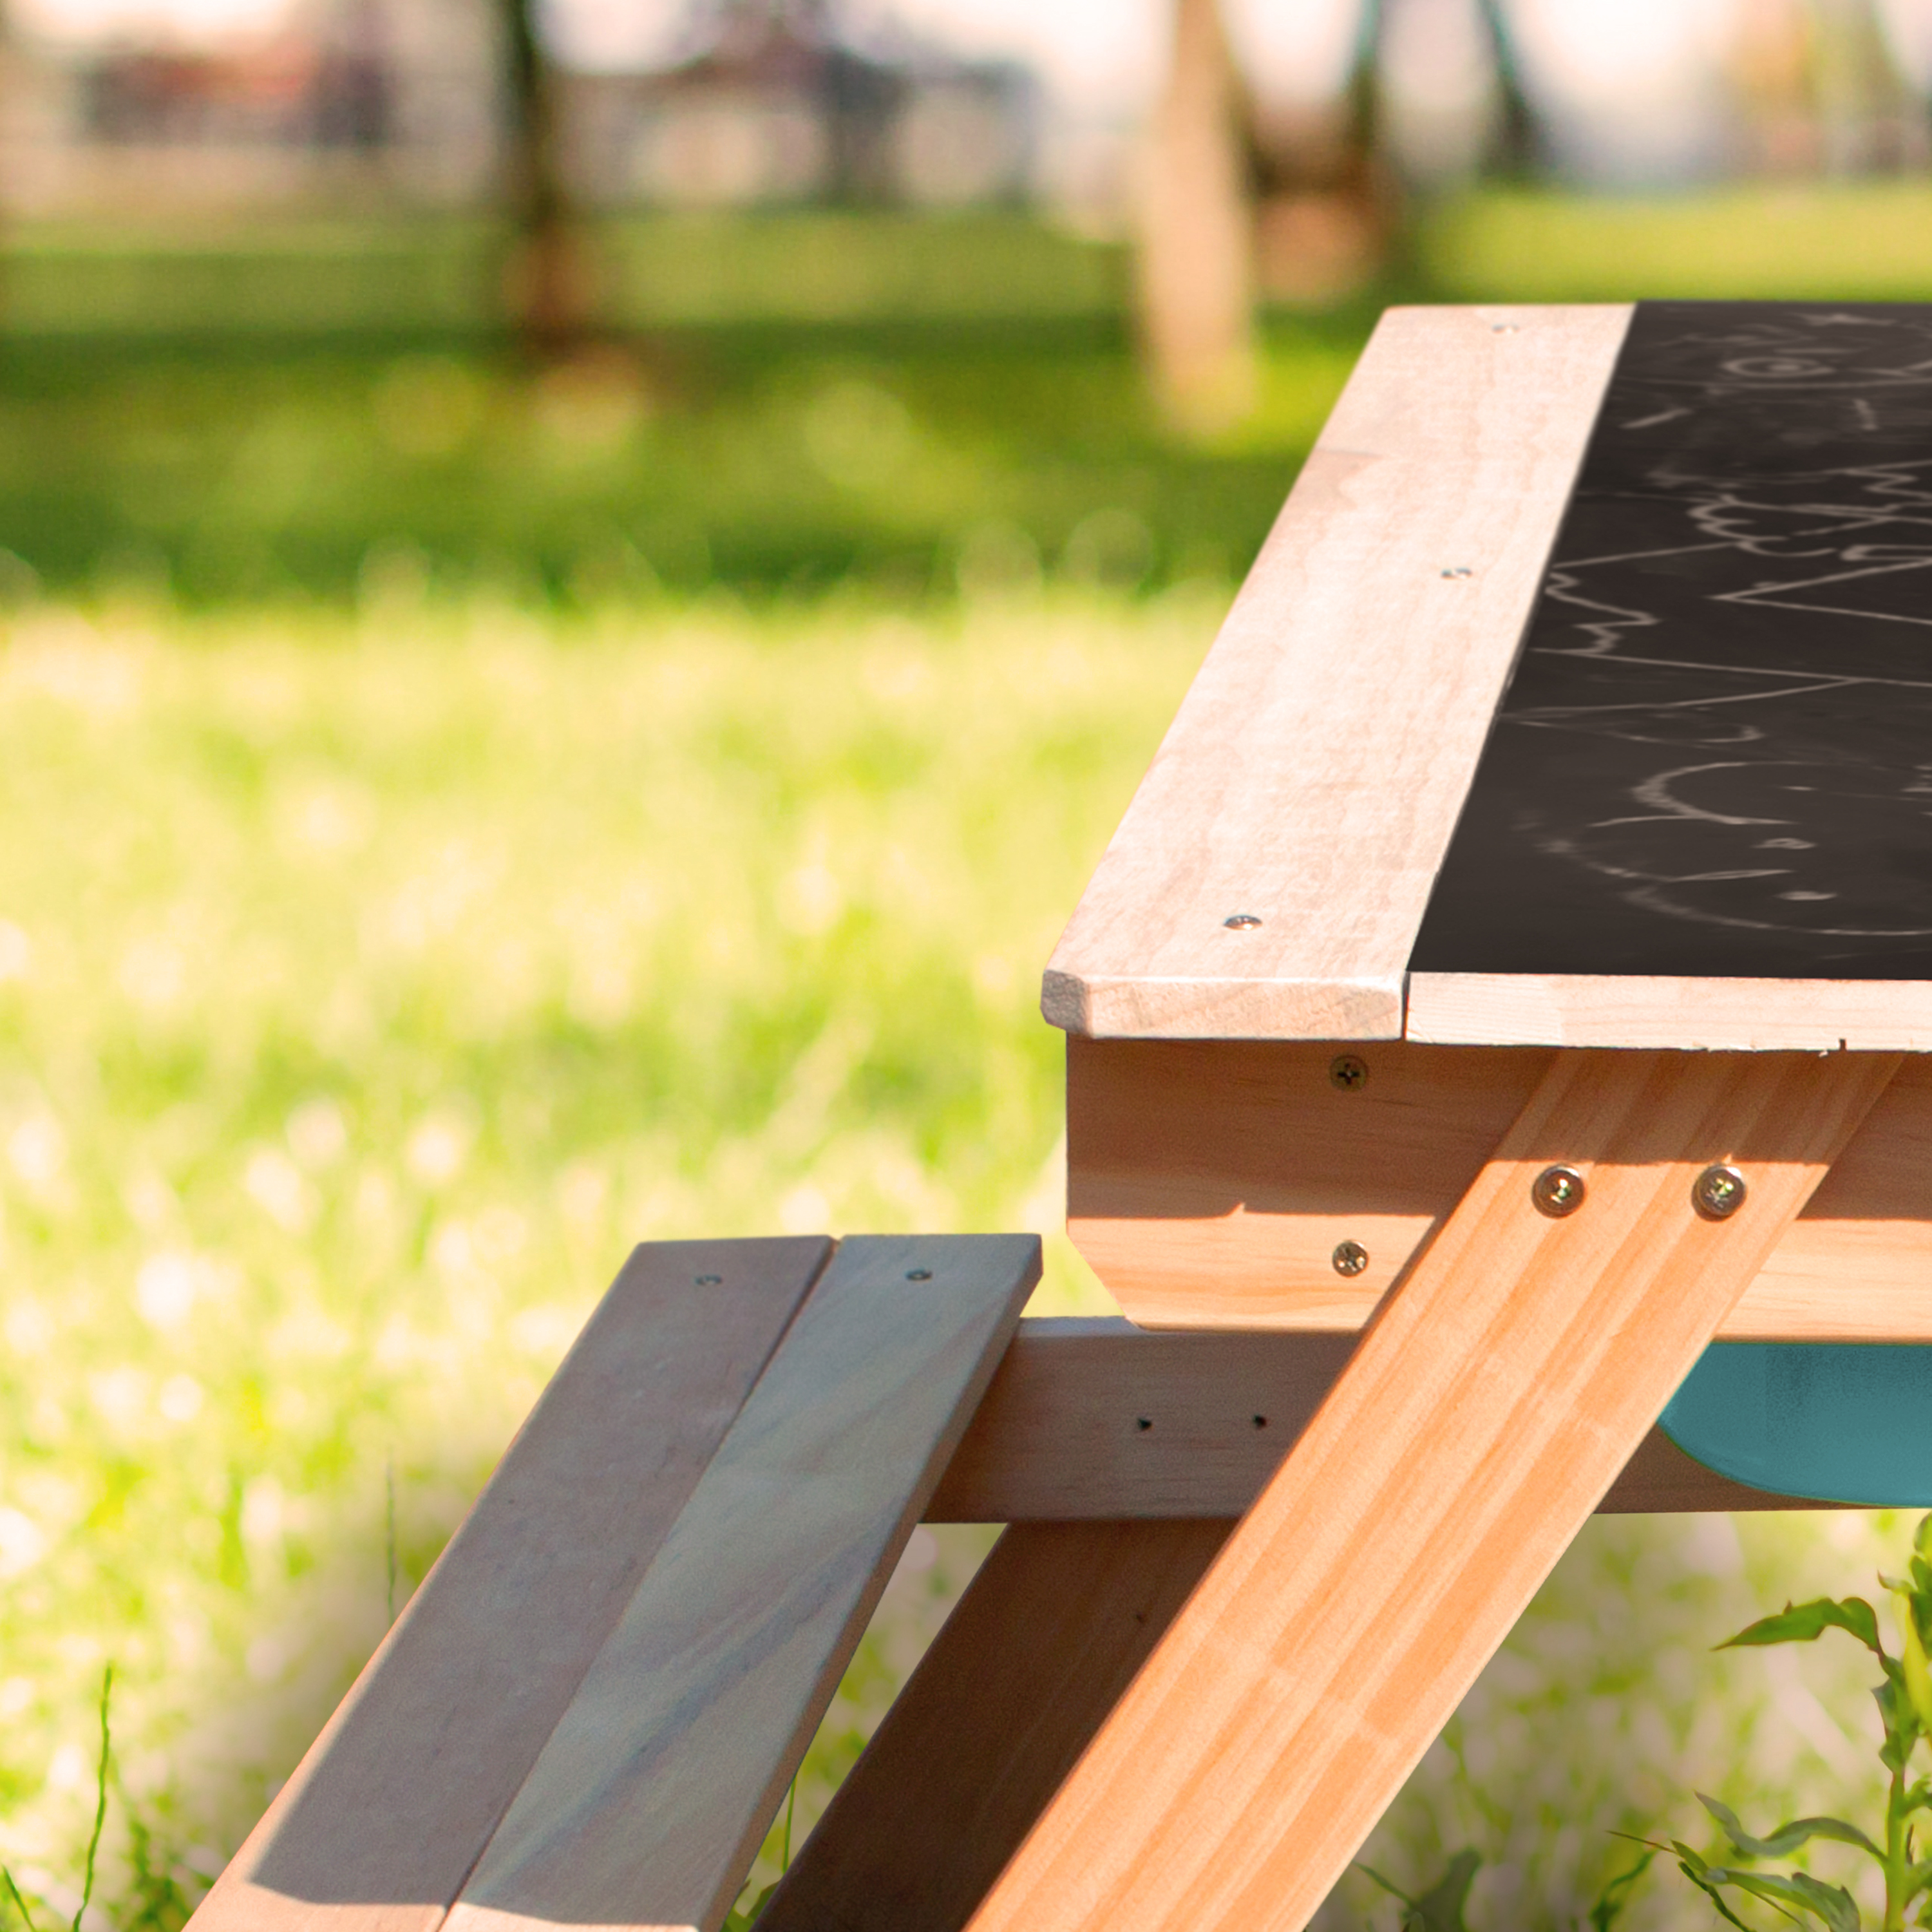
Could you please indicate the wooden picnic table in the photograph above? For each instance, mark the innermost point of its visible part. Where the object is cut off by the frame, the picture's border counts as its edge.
(1508, 981)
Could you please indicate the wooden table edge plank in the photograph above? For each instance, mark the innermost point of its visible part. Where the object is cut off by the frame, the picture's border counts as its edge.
(1271, 873)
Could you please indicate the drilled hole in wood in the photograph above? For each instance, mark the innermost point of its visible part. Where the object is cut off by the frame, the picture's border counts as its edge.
(1144, 1422)
(1261, 1422)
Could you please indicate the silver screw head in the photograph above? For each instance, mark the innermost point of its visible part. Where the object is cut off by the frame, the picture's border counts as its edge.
(1350, 1258)
(1558, 1191)
(1348, 1074)
(918, 1274)
(1240, 922)
(1718, 1192)
(1458, 570)
(710, 1280)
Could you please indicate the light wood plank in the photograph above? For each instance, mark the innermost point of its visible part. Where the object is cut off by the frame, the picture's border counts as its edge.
(1484, 1414)
(1095, 1420)
(1208, 1183)
(1038, 1651)
(1634, 1009)
(1314, 774)
(391, 1806)
(648, 1803)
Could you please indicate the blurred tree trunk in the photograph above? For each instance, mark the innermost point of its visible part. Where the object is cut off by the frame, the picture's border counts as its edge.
(1196, 257)
(1516, 146)
(549, 282)
(1867, 120)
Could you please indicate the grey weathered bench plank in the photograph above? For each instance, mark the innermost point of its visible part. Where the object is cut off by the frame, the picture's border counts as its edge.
(390, 1810)
(648, 1804)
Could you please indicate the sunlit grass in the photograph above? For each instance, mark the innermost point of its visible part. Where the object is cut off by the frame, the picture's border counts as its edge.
(367, 987)
(1796, 241)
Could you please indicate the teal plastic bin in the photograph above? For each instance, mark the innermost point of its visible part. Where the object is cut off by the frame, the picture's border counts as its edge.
(1844, 1422)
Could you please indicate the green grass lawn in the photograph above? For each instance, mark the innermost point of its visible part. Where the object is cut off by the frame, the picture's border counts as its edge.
(461, 824)
(368, 985)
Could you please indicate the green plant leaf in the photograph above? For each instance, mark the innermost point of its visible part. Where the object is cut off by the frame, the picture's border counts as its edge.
(20, 1904)
(1698, 1872)
(1830, 1905)
(1787, 1837)
(1803, 1623)
(1914, 1671)
(742, 1918)
(1440, 1908)
(1609, 1906)
(1797, 1898)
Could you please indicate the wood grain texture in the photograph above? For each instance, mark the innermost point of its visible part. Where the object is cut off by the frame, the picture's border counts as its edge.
(1096, 1420)
(1208, 1183)
(391, 1806)
(1485, 1414)
(1314, 773)
(1038, 1651)
(1635, 1010)
(648, 1803)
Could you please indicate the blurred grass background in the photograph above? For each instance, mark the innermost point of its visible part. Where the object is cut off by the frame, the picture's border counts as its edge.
(464, 819)
(788, 401)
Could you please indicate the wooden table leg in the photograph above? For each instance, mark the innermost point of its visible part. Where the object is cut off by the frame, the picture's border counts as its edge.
(1492, 1400)
(1049, 1635)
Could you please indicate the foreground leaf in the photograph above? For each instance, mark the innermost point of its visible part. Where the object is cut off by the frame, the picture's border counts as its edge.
(1615, 1896)
(1787, 1837)
(744, 1917)
(1440, 1908)
(1831, 1906)
(1802, 1623)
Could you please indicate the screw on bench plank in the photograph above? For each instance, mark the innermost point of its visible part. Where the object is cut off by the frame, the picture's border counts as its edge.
(1458, 570)
(709, 1280)
(1240, 922)
(918, 1274)
(1348, 1073)
(1718, 1192)
(1558, 1191)
(1350, 1258)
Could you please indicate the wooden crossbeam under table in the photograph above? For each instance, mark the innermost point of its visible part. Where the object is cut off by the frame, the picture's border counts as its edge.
(1095, 1420)
(1487, 1410)
(1210, 1181)
(588, 1713)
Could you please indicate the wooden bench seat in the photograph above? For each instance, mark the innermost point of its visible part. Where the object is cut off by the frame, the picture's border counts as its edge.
(589, 1711)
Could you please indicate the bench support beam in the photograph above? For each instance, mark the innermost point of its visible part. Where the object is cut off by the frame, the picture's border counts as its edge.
(1487, 1410)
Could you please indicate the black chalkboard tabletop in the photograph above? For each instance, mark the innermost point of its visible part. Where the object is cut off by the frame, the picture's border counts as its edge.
(1582, 696)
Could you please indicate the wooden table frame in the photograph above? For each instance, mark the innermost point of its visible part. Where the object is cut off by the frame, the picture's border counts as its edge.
(1194, 1670)
(1253, 1564)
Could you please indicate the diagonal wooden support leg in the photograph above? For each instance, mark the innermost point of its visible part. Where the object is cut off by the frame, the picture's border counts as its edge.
(1052, 1629)
(1497, 1394)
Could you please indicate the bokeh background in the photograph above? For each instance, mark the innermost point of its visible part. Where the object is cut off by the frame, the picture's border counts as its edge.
(580, 587)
